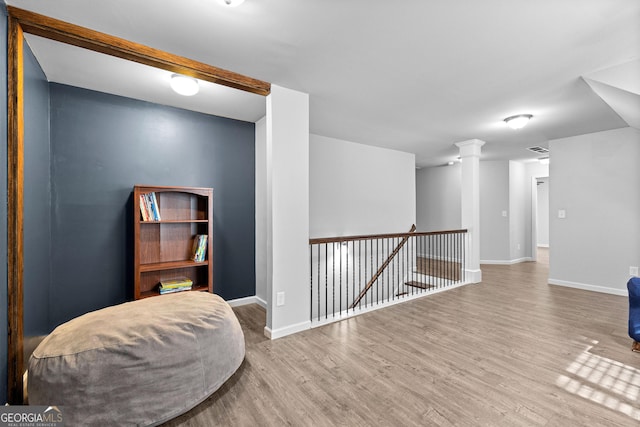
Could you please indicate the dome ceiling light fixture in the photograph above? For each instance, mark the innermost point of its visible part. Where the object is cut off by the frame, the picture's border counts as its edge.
(518, 121)
(184, 85)
(231, 3)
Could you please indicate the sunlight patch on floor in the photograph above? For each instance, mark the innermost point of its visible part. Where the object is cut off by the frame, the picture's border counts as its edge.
(604, 381)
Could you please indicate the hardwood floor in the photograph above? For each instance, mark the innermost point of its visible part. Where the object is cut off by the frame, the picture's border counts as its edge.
(511, 351)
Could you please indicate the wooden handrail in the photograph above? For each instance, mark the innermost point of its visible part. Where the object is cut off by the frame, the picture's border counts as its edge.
(384, 265)
(338, 239)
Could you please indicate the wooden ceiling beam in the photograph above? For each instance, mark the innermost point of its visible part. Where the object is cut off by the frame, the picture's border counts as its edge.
(50, 28)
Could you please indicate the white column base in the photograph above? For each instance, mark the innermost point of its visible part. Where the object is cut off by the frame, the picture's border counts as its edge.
(273, 334)
(473, 276)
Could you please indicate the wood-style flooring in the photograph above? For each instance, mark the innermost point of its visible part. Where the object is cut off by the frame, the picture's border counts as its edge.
(511, 351)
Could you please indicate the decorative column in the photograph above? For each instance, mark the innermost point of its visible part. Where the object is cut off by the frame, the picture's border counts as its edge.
(470, 192)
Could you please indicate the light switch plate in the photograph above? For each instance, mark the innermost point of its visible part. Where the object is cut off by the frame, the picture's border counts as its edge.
(562, 214)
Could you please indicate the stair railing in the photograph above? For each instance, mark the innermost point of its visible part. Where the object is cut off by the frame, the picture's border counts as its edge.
(384, 265)
(351, 274)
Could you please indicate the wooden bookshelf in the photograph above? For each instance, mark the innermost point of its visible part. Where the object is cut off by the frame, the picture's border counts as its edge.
(163, 248)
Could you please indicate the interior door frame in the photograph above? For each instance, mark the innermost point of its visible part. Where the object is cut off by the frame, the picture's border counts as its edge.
(20, 22)
(534, 219)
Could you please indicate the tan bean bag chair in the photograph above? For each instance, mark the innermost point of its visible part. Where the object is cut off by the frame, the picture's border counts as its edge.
(137, 363)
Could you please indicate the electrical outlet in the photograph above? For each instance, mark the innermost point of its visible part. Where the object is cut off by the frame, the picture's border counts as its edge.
(504, 213)
(280, 299)
(518, 246)
(562, 214)
(633, 271)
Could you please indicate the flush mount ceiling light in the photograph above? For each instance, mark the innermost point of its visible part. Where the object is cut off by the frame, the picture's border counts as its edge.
(231, 3)
(519, 121)
(184, 85)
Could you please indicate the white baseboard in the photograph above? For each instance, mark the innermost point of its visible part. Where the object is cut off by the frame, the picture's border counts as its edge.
(268, 332)
(586, 287)
(505, 262)
(247, 300)
(543, 245)
(287, 330)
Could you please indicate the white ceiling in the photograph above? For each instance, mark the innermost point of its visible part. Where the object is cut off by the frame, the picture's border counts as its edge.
(412, 75)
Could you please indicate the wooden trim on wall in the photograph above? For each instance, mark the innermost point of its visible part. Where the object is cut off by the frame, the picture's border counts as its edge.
(75, 35)
(15, 213)
(22, 21)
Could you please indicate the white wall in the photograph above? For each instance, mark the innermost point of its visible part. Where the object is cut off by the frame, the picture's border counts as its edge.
(287, 177)
(518, 211)
(261, 210)
(504, 187)
(438, 198)
(358, 189)
(494, 200)
(595, 179)
(543, 212)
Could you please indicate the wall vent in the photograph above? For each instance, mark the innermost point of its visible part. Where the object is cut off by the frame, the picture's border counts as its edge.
(539, 150)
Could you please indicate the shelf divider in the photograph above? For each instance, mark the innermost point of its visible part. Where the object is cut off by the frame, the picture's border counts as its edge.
(157, 266)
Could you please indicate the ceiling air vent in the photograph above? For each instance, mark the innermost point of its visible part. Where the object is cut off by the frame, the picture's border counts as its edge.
(539, 150)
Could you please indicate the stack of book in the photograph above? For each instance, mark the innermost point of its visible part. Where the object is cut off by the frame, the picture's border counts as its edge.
(149, 207)
(199, 248)
(175, 285)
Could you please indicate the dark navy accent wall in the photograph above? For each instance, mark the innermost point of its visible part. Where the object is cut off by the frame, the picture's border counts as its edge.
(3, 203)
(37, 190)
(101, 145)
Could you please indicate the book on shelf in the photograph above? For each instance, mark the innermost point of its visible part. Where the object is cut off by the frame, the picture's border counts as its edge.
(149, 207)
(154, 206)
(178, 281)
(175, 285)
(199, 251)
(143, 208)
(147, 204)
(170, 291)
